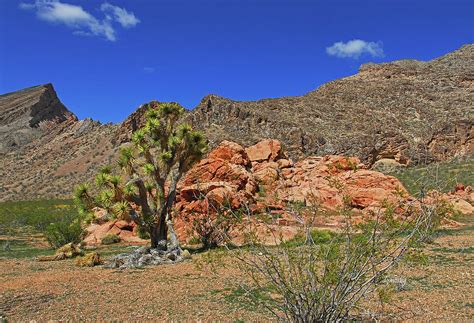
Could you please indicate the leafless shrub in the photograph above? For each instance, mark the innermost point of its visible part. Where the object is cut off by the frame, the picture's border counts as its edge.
(325, 282)
(212, 226)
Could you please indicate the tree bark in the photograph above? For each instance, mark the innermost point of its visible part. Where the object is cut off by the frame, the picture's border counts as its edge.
(159, 234)
(174, 242)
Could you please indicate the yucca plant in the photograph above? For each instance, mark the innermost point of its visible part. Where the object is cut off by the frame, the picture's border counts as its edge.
(162, 151)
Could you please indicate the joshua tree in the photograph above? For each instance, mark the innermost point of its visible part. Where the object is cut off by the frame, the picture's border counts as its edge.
(146, 191)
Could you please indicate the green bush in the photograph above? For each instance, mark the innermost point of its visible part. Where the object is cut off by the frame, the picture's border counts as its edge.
(69, 229)
(33, 216)
(317, 236)
(58, 220)
(110, 239)
(143, 233)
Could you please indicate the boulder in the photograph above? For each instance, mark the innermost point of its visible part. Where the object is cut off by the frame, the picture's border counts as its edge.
(127, 231)
(265, 150)
(125, 225)
(463, 207)
(266, 176)
(231, 152)
(67, 251)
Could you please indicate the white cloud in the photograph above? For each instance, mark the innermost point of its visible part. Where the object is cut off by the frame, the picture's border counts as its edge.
(122, 16)
(355, 48)
(82, 22)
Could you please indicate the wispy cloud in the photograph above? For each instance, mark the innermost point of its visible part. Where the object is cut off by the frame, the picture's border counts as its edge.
(80, 21)
(122, 16)
(355, 48)
(148, 69)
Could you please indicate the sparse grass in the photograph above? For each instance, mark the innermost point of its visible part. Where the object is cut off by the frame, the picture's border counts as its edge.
(319, 237)
(237, 299)
(26, 217)
(439, 176)
(468, 250)
(19, 249)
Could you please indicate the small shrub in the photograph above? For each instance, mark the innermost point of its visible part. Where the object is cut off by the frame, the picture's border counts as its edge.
(211, 232)
(143, 233)
(212, 229)
(66, 230)
(326, 279)
(110, 239)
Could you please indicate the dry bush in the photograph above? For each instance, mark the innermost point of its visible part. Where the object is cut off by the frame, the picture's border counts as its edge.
(326, 281)
(212, 227)
(322, 280)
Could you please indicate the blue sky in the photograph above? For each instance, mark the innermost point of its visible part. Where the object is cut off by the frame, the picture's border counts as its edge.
(106, 58)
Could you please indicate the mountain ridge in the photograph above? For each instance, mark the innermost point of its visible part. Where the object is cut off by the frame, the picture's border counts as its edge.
(409, 111)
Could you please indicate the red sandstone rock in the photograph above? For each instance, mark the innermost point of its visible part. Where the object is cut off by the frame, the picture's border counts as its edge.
(322, 181)
(459, 187)
(265, 150)
(262, 179)
(231, 152)
(124, 225)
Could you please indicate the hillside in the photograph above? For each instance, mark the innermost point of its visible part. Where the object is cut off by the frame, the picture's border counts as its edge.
(45, 151)
(408, 110)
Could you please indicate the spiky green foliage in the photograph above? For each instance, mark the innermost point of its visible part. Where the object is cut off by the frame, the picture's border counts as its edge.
(161, 152)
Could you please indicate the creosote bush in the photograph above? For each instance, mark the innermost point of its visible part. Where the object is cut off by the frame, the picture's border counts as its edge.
(326, 277)
(66, 230)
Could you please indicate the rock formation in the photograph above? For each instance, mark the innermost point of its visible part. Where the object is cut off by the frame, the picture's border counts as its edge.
(27, 114)
(408, 111)
(44, 150)
(262, 179)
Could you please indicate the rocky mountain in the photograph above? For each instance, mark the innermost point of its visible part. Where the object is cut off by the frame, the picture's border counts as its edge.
(44, 149)
(408, 111)
(26, 115)
(405, 110)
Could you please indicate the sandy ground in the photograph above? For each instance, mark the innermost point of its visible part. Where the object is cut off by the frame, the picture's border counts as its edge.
(443, 289)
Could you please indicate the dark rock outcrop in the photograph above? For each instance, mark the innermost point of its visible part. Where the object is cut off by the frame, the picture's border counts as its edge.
(44, 150)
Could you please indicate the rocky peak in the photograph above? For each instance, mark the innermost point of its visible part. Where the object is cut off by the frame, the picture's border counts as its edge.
(35, 105)
(24, 115)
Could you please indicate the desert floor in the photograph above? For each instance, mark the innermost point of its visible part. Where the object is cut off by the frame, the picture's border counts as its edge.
(442, 288)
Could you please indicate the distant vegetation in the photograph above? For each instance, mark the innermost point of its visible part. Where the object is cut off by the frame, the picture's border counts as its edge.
(440, 176)
(33, 216)
(57, 220)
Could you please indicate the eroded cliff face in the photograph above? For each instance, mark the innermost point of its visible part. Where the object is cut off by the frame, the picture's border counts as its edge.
(407, 111)
(27, 114)
(44, 149)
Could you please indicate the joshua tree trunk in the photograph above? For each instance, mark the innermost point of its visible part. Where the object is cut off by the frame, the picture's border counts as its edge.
(159, 233)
